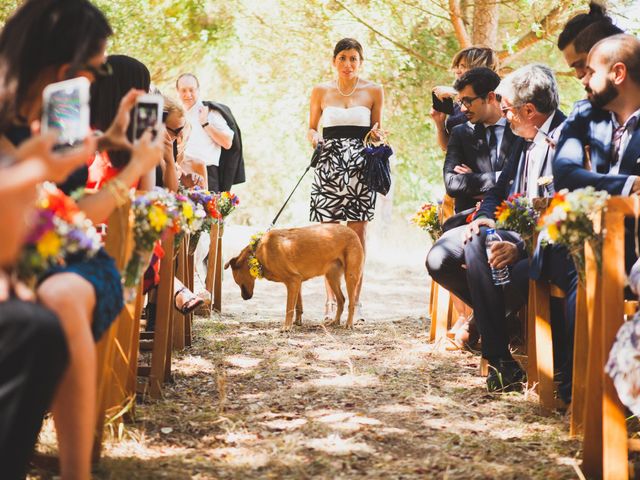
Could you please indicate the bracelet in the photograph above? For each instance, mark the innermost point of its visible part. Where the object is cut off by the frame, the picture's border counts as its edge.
(205, 124)
(118, 190)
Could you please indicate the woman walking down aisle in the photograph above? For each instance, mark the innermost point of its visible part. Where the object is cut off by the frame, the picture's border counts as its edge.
(347, 108)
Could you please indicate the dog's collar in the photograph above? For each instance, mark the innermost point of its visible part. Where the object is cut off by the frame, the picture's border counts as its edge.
(255, 267)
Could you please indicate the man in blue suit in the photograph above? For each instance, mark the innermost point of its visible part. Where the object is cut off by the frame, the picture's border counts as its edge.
(530, 103)
(602, 132)
(602, 135)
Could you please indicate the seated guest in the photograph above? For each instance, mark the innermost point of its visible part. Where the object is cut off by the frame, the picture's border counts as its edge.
(463, 61)
(86, 294)
(126, 73)
(476, 152)
(605, 125)
(478, 148)
(185, 171)
(530, 103)
(566, 40)
(32, 343)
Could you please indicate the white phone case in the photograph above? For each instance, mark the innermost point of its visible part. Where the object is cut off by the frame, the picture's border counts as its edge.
(66, 110)
(147, 114)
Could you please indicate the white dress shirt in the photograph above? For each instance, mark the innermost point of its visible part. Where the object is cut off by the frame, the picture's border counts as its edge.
(200, 145)
(537, 154)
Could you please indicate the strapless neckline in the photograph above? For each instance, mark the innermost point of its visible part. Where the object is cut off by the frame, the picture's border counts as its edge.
(347, 108)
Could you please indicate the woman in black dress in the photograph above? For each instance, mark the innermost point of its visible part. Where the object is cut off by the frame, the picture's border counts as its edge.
(347, 108)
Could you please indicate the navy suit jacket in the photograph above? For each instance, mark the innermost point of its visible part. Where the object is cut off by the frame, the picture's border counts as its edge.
(592, 127)
(466, 147)
(509, 183)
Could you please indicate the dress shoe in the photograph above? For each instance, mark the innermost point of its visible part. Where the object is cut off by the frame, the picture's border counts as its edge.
(505, 376)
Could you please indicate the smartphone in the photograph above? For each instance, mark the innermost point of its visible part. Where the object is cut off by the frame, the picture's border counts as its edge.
(66, 111)
(445, 105)
(147, 114)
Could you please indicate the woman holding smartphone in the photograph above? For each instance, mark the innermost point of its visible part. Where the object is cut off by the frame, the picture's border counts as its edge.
(463, 61)
(86, 295)
(347, 108)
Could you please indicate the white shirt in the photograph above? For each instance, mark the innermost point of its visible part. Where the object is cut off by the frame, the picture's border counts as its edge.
(499, 131)
(200, 145)
(537, 154)
(624, 141)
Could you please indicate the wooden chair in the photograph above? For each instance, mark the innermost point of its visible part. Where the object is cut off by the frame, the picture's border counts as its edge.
(179, 320)
(119, 244)
(159, 369)
(441, 312)
(213, 281)
(606, 444)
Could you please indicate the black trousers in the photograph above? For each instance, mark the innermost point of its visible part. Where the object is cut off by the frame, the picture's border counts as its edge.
(33, 356)
(213, 178)
(464, 270)
(475, 287)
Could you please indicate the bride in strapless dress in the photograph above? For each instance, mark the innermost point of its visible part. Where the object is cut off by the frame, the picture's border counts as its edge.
(347, 109)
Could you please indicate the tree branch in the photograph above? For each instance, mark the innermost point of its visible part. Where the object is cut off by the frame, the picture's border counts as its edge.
(399, 45)
(551, 22)
(458, 24)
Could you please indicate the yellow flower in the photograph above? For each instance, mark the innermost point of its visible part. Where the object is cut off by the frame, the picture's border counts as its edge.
(504, 215)
(49, 244)
(157, 218)
(187, 210)
(553, 232)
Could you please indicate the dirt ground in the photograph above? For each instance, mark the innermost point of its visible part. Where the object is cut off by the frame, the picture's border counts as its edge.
(377, 402)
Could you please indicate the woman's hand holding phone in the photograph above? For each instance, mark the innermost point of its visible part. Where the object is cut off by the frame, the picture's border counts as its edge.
(57, 166)
(147, 153)
(115, 138)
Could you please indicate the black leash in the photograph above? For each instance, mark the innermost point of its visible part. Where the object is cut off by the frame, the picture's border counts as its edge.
(314, 161)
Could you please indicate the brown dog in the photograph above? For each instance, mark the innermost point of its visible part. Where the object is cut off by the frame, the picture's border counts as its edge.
(294, 255)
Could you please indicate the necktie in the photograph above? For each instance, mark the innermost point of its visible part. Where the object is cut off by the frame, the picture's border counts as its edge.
(493, 147)
(524, 180)
(616, 141)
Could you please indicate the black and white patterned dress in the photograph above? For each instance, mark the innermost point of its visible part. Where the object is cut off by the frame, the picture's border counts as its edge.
(339, 191)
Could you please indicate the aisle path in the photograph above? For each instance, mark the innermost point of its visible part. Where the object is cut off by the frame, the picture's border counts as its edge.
(250, 402)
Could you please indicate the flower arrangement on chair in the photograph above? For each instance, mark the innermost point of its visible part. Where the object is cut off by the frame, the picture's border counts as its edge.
(517, 214)
(60, 231)
(191, 218)
(227, 203)
(155, 212)
(569, 220)
(428, 219)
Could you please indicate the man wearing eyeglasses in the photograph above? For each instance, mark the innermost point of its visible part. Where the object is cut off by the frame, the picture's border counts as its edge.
(529, 100)
(477, 149)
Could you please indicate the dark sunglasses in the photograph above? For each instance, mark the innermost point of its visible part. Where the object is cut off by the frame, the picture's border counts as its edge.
(175, 132)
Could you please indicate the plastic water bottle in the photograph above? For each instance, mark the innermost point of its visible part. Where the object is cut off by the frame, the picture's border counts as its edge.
(499, 276)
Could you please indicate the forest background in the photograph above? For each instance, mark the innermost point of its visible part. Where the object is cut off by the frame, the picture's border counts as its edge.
(263, 57)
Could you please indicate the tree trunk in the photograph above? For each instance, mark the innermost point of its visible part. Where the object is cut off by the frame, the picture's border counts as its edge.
(485, 23)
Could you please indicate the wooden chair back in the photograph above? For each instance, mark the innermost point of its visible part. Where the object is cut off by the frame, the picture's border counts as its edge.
(213, 281)
(119, 244)
(606, 443)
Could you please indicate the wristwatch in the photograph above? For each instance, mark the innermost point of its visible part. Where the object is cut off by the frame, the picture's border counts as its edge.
(205, 124)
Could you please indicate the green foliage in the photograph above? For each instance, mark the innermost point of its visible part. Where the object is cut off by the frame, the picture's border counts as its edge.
(263, 58)
(167, 35)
